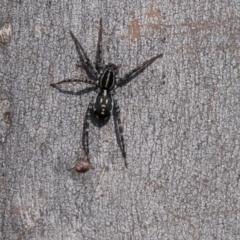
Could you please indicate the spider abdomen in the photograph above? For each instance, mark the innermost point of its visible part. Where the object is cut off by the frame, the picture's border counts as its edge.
(103, 105)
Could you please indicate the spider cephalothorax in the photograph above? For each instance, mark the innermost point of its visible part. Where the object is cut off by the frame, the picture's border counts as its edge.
(104, 102)
(107, 80)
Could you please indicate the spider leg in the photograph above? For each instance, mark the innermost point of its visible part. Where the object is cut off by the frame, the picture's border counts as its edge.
(120, 130)
(86, 80)
(138, 69)
(99, 58)
(87, 61)
(86, 129)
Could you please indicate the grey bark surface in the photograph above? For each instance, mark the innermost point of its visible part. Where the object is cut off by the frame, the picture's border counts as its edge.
(181, 121)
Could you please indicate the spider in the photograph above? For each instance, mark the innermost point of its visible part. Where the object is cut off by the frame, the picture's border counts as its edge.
(105, 82)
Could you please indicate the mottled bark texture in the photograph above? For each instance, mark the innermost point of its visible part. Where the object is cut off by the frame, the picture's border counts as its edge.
(180, 117)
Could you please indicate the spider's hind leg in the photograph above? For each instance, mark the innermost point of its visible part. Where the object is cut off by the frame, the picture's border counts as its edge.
(86, 129)
(120, 130)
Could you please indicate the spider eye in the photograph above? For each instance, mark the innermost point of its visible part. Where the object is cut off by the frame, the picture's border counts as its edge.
(111, 67)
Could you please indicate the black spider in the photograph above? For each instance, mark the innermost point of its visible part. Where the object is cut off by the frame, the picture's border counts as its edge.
(105, 82)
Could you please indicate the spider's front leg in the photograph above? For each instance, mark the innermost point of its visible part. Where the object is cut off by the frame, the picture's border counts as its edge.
(138, 69)
(120, 129)
(99, 58)
(82, 52)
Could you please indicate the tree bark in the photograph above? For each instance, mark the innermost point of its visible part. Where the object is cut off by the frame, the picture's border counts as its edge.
(180, 118)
